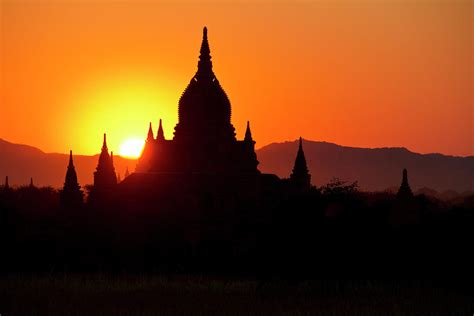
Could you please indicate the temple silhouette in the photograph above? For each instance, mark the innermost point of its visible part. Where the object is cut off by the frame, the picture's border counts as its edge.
(203, 157)
(203, 160)
(71, 195)
(197, 203)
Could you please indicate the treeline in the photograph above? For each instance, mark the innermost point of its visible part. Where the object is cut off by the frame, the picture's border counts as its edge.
(331, 231)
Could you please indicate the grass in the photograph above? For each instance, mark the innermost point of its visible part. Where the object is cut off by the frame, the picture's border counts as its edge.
(102, 294)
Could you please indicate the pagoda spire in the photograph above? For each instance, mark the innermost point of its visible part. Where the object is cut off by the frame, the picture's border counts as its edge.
(71, 163)
(300, 174)
(104, 158)
(404, 191)
(205, 63)
(104, 176)
(150, 136)
(71, 194)
(104, 144)
(160, 135)
(248, 133)
(6, 186)
(31, 183)
(71, 175)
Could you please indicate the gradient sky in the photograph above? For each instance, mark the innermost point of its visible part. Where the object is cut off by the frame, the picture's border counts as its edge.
(360, 73)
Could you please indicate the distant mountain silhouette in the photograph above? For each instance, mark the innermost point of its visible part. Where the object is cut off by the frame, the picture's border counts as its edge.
(20, 162)
(374, 169)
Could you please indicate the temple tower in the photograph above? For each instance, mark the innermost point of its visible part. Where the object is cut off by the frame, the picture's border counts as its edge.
(71, 195)
(300, 176)
(148, 152)
(160, 135)
(104, 176)
(250, 157)
(204, 109)
(404, 192)
(6, 186)
(203, 158)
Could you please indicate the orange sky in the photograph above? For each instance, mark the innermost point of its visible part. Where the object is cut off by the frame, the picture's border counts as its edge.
(360, 73)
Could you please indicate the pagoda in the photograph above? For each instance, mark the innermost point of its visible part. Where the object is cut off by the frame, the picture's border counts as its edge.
(71, 195)
(300, 177)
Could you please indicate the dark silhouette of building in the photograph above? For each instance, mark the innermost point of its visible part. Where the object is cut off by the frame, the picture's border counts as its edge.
(406, 210)
(204, 162)
(6, 186)
(104, 176)
(300, 176)
(204, 138)
(148, 152)
(160, 135)
(204, 156)
(71, 195)
(105, 179)
(404, 192)
(32, 186)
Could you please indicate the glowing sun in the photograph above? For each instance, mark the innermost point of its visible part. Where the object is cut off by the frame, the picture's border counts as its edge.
(132, 148)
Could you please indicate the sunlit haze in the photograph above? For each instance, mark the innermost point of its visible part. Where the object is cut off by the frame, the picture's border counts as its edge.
(353, 72)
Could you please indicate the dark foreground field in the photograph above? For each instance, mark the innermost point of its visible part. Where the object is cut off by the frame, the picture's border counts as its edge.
(152, 295)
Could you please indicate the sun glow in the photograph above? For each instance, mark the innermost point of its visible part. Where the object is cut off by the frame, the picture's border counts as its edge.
(132, 148)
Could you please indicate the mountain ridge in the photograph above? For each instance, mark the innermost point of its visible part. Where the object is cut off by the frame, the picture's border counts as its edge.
(375, 169)
(368, 148)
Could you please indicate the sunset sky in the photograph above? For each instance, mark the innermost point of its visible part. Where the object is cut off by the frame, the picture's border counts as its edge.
(366, 73)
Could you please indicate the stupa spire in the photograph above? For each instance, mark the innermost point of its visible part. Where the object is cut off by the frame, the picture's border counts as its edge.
(104, 144)
(160, 135)
(300, 161)
(404, 191)
(300, 175)
(71, 194)
(105, 172)
(71, 176)
(7, 186)
(205, 63)
(150, 136)
(71, 164)
(248, 133)
(31, 183)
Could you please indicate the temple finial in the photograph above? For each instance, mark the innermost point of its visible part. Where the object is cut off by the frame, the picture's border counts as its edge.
(150, 134)
(405, 176)
(404, 191)
(7, 186)
(160, 135)
(104, 144)
(205, 64)
(205, 50)
(300, 174)
(248, 133)
(31, 183)
(70, 158)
